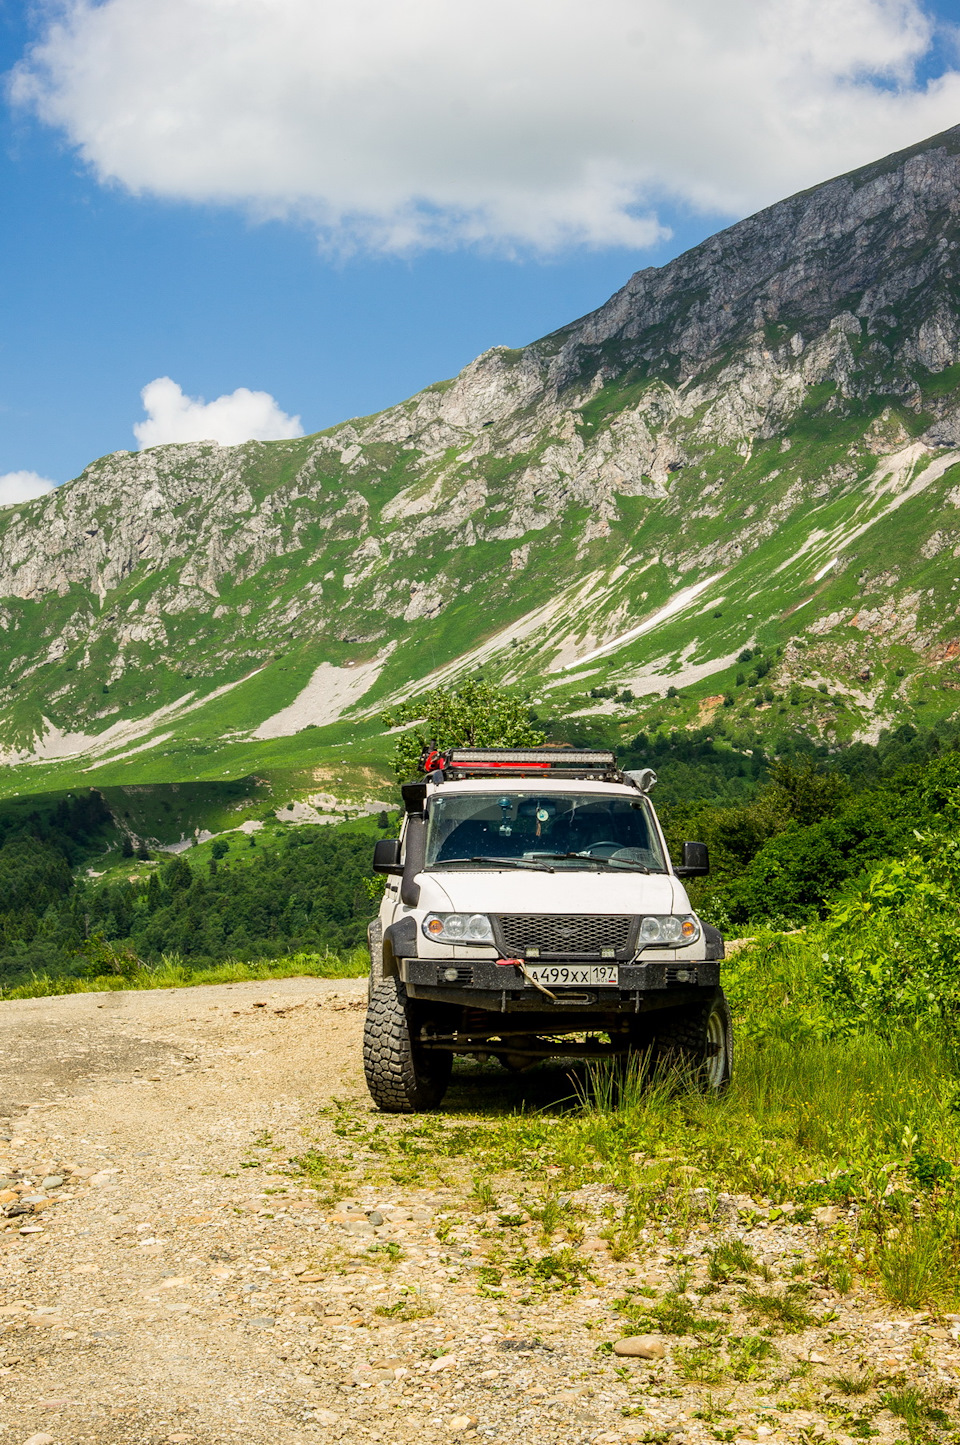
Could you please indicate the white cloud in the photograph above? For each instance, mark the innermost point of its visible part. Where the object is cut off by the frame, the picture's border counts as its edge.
(242, 416)
(532, 123)
(23, 487)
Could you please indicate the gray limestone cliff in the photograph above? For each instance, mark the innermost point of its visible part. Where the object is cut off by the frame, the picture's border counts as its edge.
(815, 337)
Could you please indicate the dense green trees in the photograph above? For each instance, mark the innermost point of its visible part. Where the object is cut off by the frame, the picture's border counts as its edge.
(306, 890)
(811, 828)
(41, 916)
(791, 838)
(302, 889)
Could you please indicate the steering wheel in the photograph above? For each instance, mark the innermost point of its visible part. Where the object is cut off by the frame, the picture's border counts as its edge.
(594, 849)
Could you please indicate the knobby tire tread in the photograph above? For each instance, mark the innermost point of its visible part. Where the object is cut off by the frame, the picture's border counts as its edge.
(398, 1082)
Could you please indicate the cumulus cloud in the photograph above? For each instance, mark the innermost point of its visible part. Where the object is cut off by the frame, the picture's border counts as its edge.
(505, 123)
(241, 416)
(23, 487)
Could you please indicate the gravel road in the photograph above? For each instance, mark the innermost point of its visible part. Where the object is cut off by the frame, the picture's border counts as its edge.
(165, 1275)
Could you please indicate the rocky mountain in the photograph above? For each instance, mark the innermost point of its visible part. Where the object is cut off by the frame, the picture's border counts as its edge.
(751, 449)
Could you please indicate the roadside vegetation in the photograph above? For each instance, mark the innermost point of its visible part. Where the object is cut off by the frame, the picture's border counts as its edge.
(118, 969)
(841, 872)
(227, 904)
(844, 1114)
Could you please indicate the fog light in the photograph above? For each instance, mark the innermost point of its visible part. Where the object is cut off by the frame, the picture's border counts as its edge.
(684, 976)
(450, 974)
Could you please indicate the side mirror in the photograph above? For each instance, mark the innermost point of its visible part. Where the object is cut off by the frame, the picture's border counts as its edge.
(695, 861)
(386, 856)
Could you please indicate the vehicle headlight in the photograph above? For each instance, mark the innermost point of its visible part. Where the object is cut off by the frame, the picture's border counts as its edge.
(671, 929)
(457, 928)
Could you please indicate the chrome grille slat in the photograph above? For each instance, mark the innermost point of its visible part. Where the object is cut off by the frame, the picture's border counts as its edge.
(564, 935)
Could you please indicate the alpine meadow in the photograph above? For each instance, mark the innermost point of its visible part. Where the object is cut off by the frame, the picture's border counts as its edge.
(715, 526)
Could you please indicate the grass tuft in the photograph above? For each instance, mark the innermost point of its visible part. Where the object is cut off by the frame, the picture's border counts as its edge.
(730, 1260)
(860, 1384)
(780, 1309)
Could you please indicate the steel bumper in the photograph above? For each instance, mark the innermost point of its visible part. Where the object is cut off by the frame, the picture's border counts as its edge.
(502, 988)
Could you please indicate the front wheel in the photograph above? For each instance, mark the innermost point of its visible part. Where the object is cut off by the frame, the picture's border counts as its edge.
(699, 1040)
(403, 1077)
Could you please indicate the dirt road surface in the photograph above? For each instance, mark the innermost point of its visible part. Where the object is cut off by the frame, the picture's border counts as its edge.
(167, 1275)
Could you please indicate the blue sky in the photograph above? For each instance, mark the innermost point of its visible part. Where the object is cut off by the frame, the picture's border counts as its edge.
(119, 268)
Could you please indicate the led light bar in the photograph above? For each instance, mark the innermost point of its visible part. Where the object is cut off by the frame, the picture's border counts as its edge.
(530, 758)
(523, 762)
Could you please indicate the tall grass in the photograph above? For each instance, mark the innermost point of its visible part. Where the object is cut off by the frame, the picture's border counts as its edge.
(815, 1119)
(172, 972)
(867, 1124)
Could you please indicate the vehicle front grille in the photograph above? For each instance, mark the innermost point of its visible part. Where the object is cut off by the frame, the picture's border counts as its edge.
(565, 935)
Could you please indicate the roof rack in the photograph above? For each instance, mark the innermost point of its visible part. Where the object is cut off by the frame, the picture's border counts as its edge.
(595, 763)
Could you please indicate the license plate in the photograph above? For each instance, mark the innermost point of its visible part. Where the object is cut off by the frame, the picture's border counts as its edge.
(606, 975)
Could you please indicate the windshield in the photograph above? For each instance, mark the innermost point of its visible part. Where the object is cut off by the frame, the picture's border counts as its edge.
(555, 830)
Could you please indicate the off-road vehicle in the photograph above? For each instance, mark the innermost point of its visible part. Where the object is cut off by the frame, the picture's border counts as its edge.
(531, 911)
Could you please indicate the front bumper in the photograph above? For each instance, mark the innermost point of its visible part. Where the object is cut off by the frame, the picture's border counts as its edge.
(502, 988)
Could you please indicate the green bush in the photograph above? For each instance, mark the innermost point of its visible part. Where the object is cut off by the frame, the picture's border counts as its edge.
(891, 947)
(473, 715)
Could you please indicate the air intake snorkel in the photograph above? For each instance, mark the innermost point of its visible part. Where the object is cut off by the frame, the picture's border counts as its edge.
(415, 841)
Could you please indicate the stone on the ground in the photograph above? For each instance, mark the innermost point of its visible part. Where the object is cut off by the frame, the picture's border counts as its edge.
(445, 1362)
(640, 1347)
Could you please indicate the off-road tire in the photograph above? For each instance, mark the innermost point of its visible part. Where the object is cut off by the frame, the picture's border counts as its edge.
(698, 1041)
(402, 1078)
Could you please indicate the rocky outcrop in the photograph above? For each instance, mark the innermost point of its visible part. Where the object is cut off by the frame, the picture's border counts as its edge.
(205, 561)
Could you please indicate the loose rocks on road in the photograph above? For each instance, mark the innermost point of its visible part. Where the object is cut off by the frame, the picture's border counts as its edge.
(167, 1274)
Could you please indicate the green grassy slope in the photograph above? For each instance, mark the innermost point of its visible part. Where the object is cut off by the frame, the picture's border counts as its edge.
(748, 450)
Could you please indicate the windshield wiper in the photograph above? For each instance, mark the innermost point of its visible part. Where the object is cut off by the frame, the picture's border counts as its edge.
(517, 863)
(625, 863)
(581, 857)
(601, 862)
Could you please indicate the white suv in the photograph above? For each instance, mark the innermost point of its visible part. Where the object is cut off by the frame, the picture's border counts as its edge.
(532, 912)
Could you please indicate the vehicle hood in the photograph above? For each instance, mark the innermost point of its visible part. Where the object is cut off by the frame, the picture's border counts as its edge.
(567, 891)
